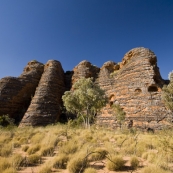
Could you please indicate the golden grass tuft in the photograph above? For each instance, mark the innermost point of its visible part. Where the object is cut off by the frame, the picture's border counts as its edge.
(153, 169)
(46, 168)
(16, 160)
(134, 162)
(33, 149)
(10, 170)
(4, 164)
(116, 163)
(6, 150)
(47, 151)
(90, 170)
(60, 161)
(77, 163)
(98, 154)
(34, 159)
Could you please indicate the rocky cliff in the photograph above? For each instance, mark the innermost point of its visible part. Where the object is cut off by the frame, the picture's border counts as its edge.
(45, 105)
(135, 84)
(16, 93)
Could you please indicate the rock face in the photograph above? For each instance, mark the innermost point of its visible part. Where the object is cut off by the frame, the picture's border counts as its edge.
(84, 69)
(16, 93)
(135, 84)
(46, 103)
(137, 87)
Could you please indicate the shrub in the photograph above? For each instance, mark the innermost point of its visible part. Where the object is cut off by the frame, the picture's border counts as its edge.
(134, 162)
(76, 164)
(5, 120)
(115, 163)
(34, 159)
(47, 151)
(60, 161)
(33, 149)
(90, 170)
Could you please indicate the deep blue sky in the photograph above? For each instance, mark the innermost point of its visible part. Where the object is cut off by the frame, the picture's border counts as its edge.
(74, 30)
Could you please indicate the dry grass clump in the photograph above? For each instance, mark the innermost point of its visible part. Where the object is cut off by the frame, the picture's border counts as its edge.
(69, 147)
(4, 164)
(60, 161)
(153, 169)
(33, 149)
(34, 159)
(16, 144)
(77, 163)
(10, 170)
(115, 163)
(90, 170)
(16, 160)
(98, 154)
(25, 148)
(37, 138)
(47, 151)
(46, 168)
(6, 150)
(134, 162)
(23, 140)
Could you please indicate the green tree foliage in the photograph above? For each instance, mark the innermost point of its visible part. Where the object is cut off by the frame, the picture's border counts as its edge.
(85, 100)
(167, 93)
(5, 120)
(119, 113)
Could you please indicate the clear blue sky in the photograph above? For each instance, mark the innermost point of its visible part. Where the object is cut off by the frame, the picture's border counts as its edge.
(74, 30)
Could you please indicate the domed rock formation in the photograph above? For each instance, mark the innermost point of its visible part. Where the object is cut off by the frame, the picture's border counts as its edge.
(46, 103)
(136, 86)
(16, 93)
(84, 69)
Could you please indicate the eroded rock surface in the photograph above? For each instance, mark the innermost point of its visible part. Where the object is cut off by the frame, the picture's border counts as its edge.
(84, 69)
(46, 103)
(136, 86)
(16, 93)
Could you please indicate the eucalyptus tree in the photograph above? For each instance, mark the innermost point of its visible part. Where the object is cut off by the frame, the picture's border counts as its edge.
(85, 99)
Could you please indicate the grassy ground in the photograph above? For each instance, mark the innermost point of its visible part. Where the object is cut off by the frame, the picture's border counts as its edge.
(61, 148)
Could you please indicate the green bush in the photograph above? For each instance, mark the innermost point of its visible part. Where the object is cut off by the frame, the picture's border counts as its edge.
(5, 120)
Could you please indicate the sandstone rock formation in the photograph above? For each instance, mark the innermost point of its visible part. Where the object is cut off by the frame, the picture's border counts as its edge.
(46, 103)
(16, 93)
(135, 84)
(84, 69)
(137, 87)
